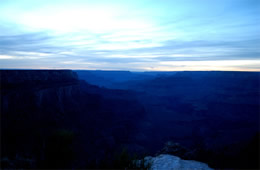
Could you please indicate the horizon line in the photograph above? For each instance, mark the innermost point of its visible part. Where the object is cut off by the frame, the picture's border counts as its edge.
(40, 69)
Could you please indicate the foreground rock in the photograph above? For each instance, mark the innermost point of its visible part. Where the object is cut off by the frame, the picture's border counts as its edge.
(171, 162)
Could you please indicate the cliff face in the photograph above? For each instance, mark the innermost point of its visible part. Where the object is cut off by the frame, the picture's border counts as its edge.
(42, 111)
(26, 76)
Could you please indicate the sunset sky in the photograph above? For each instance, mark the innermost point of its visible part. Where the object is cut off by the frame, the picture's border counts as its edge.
(136, 35)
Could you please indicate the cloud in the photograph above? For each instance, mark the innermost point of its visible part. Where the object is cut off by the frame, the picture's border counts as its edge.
(7, 57)
(129, 35)
(32, 42)
(99, 53)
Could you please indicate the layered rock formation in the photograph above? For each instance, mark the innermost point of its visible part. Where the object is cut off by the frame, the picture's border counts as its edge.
(56, 121)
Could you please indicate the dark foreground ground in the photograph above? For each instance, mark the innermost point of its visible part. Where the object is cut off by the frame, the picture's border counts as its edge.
(104, 119)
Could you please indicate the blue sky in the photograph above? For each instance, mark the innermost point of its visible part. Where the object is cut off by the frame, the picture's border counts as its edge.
(132, 35)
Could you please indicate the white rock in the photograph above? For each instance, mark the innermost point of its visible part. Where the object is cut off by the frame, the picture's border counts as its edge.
(170, 162)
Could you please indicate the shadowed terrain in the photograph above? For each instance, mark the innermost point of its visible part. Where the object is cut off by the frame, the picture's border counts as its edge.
(214, 111)
(56, 119)
(41, 110)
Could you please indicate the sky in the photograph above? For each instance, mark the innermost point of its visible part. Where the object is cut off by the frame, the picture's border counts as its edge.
(135, 35)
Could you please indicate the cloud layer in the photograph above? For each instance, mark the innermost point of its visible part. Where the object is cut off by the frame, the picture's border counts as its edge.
(169, 35)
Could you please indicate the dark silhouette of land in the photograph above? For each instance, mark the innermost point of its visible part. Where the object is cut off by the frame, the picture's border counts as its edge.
(97, 119)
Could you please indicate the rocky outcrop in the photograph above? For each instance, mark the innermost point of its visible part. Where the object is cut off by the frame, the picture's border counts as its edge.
(36, 104)
(19, 78)
(171, 162)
